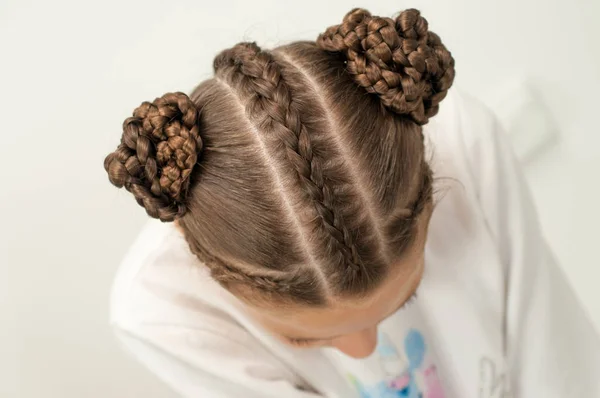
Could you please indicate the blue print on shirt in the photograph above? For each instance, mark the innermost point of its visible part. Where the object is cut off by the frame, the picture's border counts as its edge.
(401, 383)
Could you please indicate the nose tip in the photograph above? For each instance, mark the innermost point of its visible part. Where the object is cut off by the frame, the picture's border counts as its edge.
(358, 345)
(361, 352)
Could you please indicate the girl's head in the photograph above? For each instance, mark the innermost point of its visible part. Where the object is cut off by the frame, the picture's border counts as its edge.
(298, 174)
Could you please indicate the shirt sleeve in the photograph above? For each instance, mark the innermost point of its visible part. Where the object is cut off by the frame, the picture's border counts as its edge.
(552, 348)
(199, 363)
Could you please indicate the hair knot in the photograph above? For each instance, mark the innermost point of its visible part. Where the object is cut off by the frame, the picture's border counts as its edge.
(159, 148)
(407, 66)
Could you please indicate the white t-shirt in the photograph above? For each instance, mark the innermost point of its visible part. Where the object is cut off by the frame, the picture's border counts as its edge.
(494, 318)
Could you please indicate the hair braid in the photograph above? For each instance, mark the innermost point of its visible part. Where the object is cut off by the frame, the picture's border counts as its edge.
(399, 60)
(271, 104)
(159, 148)
(227, 274)
(298, 282)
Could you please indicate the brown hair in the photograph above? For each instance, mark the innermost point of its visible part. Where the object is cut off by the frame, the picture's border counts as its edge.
(285, 176)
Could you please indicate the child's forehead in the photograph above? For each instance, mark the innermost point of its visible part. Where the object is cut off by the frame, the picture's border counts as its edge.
(344, 316)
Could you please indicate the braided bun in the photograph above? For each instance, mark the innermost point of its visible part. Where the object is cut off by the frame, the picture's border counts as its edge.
(159, 148)
(399, 60)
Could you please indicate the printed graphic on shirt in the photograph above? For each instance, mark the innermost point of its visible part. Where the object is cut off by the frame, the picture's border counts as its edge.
(409, 374)
(492, 382)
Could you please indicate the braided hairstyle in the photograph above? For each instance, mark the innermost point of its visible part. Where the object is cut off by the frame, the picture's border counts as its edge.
(287, 181)
(159, 149)
(399, 60)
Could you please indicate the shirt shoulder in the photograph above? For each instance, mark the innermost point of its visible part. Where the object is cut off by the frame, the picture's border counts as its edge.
(462, 123)
(170, 314)
(161, 281)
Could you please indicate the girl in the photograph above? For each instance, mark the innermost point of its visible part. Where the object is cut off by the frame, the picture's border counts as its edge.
(307, 193)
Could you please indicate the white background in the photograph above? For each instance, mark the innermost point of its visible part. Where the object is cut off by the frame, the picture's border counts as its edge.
(72, 71)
